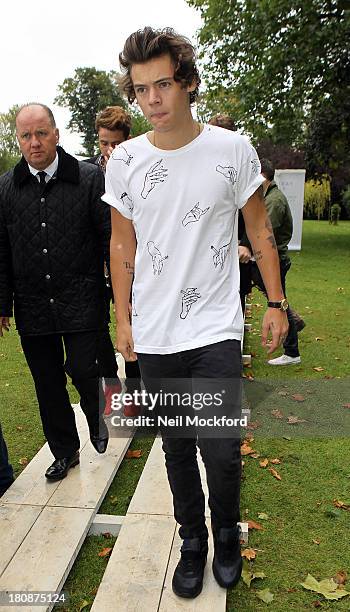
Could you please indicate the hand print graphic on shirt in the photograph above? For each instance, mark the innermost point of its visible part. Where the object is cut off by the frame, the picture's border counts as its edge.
(133, 307)
(155, 175)
(228, 172)
(120, 154)
(255, 166)
(220, 255)
(157, 259)
(189, 297)
(194, 214)
(127, 201)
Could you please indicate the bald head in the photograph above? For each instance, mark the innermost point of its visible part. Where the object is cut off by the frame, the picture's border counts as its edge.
(37, 135)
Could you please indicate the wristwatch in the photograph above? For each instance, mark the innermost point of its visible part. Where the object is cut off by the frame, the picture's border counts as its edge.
(282, 305)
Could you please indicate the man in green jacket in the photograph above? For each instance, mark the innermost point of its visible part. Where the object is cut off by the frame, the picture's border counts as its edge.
(282, 223)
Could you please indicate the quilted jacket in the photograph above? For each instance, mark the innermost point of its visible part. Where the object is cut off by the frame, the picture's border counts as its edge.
(53, 243)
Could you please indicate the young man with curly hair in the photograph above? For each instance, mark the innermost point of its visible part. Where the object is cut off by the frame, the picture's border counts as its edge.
(175, 194)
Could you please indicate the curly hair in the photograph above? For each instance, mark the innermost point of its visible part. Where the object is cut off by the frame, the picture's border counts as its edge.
(147, 44)
(223, 121)
(114, 118)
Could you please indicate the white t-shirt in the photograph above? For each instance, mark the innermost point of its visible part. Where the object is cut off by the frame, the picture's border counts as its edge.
(184, 207)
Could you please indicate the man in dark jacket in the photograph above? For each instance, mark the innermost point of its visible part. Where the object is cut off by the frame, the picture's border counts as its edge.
(54, 237)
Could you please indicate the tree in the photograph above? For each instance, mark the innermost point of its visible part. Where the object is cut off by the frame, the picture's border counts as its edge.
(85, 94)
(139, 124)
(9, 150)
(276, 60)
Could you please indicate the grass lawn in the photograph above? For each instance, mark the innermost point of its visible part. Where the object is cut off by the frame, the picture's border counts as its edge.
(315, 469)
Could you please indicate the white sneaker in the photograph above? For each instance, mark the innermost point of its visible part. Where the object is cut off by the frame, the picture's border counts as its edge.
(284, 360)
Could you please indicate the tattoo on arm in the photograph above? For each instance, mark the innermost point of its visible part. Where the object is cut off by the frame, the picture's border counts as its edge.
(129, 267)
(272, 241)
(257, 255)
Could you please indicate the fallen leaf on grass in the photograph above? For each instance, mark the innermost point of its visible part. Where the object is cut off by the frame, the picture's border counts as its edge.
(340, 504)
(298, 398)
(319, 339)
(316, 604)
(275, 474)
(276, 461)
(248, 553)
(328, 588)
(133, 454)
(104, 552)
(318, 369)
(248, 575)
(317, 542)
(340, 577)
(277, 414)
(265, 595)
(255, 455)
(107, 534)
(113, 499)
(292, 591)
(23, 461)
(246, 450)
(84, 604)
(294, 420)
(283, 393)
(253, 425)
(263, 516)
(346, 405)
(254, 525)
(264, 463)
(249, 438)
(287, 438)
(19, 427)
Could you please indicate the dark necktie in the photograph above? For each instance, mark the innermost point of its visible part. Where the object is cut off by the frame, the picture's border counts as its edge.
(42, 175)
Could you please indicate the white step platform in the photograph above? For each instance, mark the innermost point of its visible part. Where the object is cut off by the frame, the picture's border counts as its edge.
(43, 524)
(139, 571)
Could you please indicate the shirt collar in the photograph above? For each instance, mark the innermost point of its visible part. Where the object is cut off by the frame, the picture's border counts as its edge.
(50, 170)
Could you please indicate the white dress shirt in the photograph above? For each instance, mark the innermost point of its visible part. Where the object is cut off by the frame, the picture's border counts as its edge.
(50, 170)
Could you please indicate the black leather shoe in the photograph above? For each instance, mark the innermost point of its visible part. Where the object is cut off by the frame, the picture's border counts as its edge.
(188, 575)
(59, 468)
(227, 562)
(100, 440)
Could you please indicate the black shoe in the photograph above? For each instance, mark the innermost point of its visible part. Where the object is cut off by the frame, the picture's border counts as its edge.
(188, 575)
(227, 562)
(299, 325)
(59, 468)
(100, 440)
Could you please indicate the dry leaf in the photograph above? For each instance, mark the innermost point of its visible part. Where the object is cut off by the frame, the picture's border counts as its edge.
(328, 588)
(254, 525)
(346, 405)
(318, 339)
(264, 463)
(133, 454)
(275, 461)
(248, 553)
(243, 463)
(298, 398)
(275, 474)
(246, 450)
(19, 427)
(255, 455)
(277, 414)
(318, 369)
(263, 516)
(104, 552)
(340, 577)
(253, 425)
(340, 504)
(316, 604)
(23, 461)
(265, 595)
(283, 393)
(317, 542)
(107, 534)
(249, 438)
(294, 420)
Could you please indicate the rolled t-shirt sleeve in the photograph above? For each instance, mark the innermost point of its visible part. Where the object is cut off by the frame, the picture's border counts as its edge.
(116, 193)
(249, 176)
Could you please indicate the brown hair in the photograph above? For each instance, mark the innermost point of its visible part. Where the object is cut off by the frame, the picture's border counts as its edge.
(267, 169)
(223, 121)
(147, 44)
(114, 118)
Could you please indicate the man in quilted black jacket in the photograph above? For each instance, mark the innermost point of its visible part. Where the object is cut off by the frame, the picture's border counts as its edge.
(54, 237)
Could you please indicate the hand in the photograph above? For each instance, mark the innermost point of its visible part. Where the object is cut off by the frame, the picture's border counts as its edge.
(220, 255)
(194, 214)
(275, 321)
(156, 174)
(125, 343)
(4, 324)
(244, 254)
(229, 172)
(190, 296)
(108, 154)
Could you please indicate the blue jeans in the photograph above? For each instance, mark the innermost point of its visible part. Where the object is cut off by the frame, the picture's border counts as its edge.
(6, 471)
(221, 456)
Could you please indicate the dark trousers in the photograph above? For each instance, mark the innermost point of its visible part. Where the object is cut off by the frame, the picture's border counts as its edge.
(46, 360)
(221, 456)
(290, 345)
(6, 471)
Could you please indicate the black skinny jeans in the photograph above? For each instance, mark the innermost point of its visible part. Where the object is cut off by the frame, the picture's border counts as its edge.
(221, 456)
